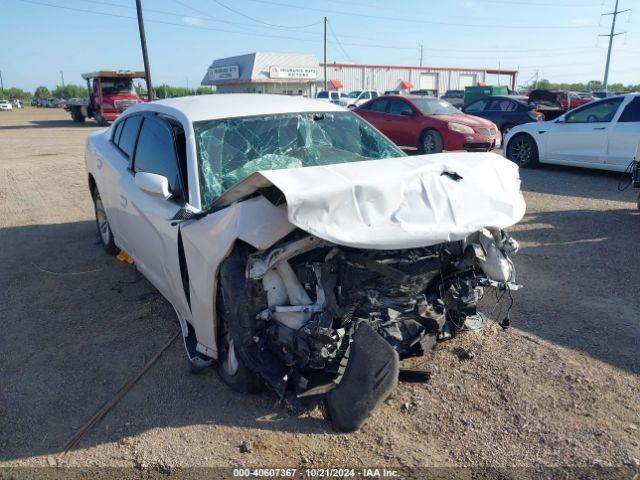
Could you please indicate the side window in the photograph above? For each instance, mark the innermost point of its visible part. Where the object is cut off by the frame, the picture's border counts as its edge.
(323, 95)
(116, 134)
(500, 105)
(374, 94)
(476, 106)
(631, 112)
(399, 107)
(129, 134)
(599, 112)
(378, 106)
(156, 153)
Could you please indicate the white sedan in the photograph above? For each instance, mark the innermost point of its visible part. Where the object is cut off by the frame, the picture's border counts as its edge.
(603, 134)
(301, 248)
(5, 105)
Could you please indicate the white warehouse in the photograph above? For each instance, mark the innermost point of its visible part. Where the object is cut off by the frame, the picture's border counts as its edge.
(390, 77)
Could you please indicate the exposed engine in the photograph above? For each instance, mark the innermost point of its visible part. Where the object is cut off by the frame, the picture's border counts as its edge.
(320, 300)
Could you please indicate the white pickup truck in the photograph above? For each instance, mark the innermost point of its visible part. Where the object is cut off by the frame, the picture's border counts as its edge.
(300, 248)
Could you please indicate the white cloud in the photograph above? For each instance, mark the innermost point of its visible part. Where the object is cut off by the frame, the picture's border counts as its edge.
(192, 20)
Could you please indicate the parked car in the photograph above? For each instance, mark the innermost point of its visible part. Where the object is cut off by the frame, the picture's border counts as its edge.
(358, 97)
(5, 105)
(429, 124)
(602, 134)
(332, 96)
(570, 100)
(454, 97)
(296, 243)
(392, 92)
(427, 92)
(505, 111)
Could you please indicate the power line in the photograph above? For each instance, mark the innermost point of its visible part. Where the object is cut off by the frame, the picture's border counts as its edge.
(338, 42)
(260, 21)
(420, 21)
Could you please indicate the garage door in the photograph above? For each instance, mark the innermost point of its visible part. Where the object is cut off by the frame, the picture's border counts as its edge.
(429, 81)
(467, 80)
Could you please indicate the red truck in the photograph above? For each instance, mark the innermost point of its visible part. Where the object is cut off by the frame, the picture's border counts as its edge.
(110, 93)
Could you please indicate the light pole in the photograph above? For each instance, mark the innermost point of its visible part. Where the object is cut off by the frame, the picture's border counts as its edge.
(145, 57)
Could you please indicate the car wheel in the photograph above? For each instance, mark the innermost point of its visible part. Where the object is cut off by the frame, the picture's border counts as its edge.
(78, 117)
(505, 129)
(430, 142)
(231, 368)
(104, 229)
(522, 150)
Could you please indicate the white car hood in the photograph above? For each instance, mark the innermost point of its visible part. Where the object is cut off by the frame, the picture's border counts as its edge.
(397, 203)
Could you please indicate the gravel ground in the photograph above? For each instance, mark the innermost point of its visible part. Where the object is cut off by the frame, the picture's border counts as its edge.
(560, 388)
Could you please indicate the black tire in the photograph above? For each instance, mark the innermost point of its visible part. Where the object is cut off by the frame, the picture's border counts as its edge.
(231, 368)
(430, 142)
(102, 223)
(505, 129)
(77, 116)
(523, 151)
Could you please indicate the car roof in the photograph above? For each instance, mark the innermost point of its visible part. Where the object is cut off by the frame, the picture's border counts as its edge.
(228, 105)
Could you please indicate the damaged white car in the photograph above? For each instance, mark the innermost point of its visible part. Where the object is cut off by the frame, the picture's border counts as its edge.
(301, 249)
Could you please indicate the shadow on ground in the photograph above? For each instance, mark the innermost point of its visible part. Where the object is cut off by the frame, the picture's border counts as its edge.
(50, 124)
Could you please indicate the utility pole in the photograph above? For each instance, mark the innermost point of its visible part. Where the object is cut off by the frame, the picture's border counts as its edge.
(1, 86)
(613, 33)
(62, 77)
(325, 54)
(145, 57)
(421, 48)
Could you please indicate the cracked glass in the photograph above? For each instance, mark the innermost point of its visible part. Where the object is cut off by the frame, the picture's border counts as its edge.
(230, 150)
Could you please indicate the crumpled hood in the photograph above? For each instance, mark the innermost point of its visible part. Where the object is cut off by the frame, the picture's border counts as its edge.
(397, 203)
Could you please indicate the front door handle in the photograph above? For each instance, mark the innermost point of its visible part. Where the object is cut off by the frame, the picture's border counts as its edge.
(123, 201)
(599, 128)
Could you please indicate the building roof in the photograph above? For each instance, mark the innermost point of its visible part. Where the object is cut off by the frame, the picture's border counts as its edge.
(256, 67)
(228, 105)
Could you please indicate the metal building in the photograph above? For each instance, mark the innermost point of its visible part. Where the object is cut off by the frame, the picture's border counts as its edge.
(284, 73)
(390, 77)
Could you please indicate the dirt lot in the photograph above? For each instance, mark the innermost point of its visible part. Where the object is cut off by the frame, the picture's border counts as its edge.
(559, 388)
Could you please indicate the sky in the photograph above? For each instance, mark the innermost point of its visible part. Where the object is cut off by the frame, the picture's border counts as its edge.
(558, 39)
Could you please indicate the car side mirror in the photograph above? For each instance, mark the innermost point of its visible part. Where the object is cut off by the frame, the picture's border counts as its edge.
(153, 184)
(561, 120)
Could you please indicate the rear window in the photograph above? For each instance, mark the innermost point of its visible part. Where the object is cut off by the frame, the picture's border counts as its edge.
(631, 112)
(127, 140)
(379, 106)
(323, 95)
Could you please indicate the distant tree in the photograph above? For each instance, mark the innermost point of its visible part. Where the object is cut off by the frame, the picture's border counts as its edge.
(594, 85)
(42, 92)
(204, 91)
(16, 93)
(70, 91)
(543, 84)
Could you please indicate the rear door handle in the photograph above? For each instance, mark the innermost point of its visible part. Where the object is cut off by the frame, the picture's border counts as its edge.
(123, 201)
(599, 128)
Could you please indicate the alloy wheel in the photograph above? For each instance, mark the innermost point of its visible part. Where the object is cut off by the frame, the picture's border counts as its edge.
(103, 223)
(522, 152)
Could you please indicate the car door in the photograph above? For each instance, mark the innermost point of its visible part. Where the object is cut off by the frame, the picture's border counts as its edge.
(501, 111)
(123, 141)
(581, 136)
(624, 135)
(152, 239)
(401, 123)
(375, 113)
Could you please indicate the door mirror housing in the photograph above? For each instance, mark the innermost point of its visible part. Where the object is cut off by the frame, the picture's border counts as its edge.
(561, 119)
(153, 184)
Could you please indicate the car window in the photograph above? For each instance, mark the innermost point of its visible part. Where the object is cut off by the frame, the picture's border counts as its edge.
(500, 105)
(116, 134)
(129, 134)
(366, 95)
(231, 149)
(156, 153)
(631, 112)
(323, 95)
(476, 106)
(374, 94)
(399, 107)
(379, 106)
(600, 112)
(334, 95)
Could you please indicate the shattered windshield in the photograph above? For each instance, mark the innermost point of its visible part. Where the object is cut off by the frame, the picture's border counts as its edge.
(230, 150)
(434, 106)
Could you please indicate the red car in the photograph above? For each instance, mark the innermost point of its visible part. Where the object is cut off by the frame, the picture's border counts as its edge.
(430, 124)
(571, 100)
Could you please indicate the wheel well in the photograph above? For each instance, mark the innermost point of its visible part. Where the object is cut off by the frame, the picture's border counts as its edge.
(92, 186)
(521, 134)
